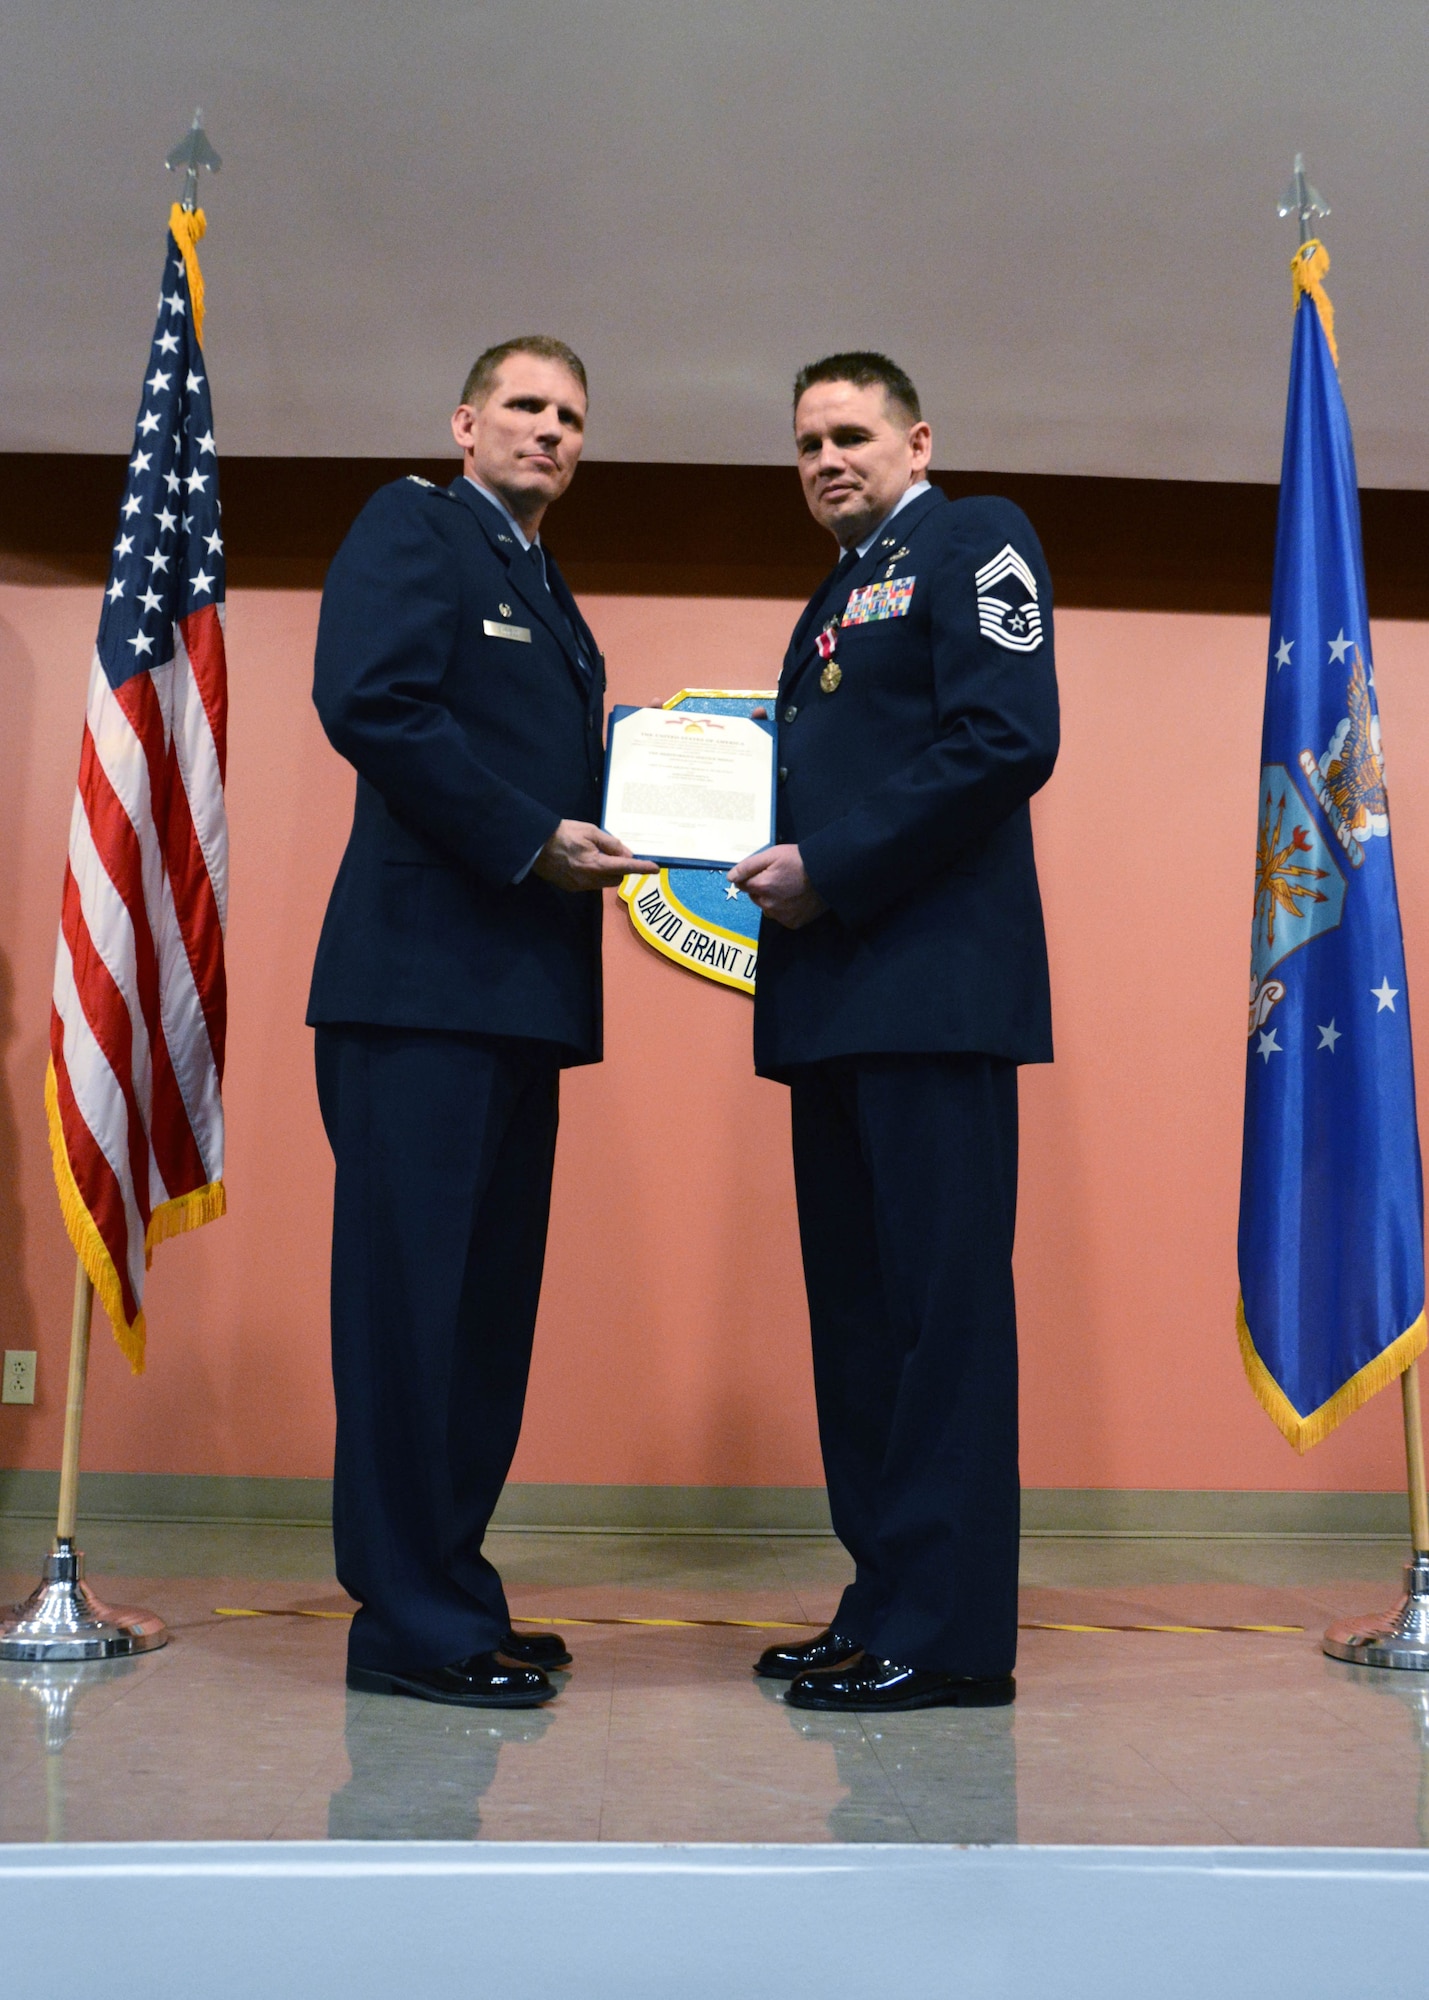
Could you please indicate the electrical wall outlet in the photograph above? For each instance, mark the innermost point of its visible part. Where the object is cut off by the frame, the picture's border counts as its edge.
(19, 1375)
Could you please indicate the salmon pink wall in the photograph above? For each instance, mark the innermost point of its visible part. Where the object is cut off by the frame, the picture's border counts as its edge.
(672, 1344)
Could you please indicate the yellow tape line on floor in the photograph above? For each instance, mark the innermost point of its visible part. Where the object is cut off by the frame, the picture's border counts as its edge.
(772, 1624)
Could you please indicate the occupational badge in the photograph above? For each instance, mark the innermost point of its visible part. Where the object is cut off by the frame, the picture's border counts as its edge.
(1014, 620)
(693, 915)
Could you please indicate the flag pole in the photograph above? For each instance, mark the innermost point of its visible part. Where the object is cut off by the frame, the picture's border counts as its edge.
(62, 1619)
(81, 1320)
(1414, 1460)
(1399, 1638)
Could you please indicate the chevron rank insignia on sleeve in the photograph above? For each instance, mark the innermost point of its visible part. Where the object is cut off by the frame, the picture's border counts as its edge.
(1013, 620)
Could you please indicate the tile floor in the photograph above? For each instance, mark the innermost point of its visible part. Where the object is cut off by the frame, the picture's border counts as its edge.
(241, 1728)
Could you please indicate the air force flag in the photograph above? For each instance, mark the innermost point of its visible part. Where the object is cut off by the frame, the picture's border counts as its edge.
(1331, 1205)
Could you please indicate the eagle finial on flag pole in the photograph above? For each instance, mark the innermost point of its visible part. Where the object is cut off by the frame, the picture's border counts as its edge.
(1301, 200)
(192, 152)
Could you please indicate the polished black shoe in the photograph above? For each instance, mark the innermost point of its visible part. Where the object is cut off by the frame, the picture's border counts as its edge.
(885, 1687)
(786, 1663)
(535, 1649)
(483, 1681)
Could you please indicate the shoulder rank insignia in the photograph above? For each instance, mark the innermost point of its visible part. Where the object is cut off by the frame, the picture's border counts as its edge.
(417, 480)
(879, 600)
(1013, 621)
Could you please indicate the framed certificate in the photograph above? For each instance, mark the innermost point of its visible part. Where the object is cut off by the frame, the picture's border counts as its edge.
(687, 790)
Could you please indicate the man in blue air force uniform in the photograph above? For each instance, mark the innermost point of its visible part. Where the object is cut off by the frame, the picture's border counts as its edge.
(902, 978)
(458, 972)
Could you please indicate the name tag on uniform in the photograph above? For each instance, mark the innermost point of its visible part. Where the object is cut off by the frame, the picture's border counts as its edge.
(495, 630)
(880, 600)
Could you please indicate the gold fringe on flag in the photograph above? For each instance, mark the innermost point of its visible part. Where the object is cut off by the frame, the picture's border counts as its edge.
(187, 226)
(171, 1218)
(1307, 268)
(1302, 1432)
(185, 1211)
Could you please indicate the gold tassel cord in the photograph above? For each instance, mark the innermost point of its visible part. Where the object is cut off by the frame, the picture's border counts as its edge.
(1307, 269)
(1302, 1432)
(187, 226)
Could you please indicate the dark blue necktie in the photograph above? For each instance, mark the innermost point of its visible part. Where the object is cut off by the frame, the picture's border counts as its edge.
(536, 556)
(846, 563)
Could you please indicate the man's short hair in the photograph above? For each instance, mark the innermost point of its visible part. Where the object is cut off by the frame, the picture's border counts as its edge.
(477, 386)
(863, 370)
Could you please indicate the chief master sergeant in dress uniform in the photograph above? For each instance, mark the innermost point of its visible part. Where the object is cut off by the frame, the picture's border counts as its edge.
(457, 974)
(901, 979)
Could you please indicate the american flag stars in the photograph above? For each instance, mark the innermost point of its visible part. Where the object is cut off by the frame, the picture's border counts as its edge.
(170, 537)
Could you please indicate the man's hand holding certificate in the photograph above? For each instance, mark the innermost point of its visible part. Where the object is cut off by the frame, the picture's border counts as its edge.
(689, 790)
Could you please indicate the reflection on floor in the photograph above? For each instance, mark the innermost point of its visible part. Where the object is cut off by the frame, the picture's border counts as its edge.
(241, 1728)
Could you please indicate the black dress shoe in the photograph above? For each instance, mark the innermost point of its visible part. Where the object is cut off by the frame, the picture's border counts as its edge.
(535, 1649)
(883, 1686)
(483, 1681)
(786, 1663)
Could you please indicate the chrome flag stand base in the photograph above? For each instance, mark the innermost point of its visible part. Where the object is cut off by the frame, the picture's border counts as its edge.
(1398, 1639)
(61, 1620)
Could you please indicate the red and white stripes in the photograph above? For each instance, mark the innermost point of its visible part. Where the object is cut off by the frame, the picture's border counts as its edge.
(140, 999)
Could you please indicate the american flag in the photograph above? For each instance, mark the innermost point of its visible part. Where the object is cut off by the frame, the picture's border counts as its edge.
(140, 1002)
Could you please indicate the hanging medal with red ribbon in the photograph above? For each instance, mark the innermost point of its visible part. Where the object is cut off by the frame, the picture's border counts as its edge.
(824, 645)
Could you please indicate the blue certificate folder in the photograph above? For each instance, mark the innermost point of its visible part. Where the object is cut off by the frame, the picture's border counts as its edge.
(731, 706)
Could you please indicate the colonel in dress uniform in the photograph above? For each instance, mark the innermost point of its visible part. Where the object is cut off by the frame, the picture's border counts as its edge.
(458, 972)
(902, 978)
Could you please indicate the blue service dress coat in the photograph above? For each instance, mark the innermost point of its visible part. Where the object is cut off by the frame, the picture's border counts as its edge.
(906, 788)
(453, 681)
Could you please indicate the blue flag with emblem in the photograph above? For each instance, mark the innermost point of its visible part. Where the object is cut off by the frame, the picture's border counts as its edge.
(1332, 1206)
